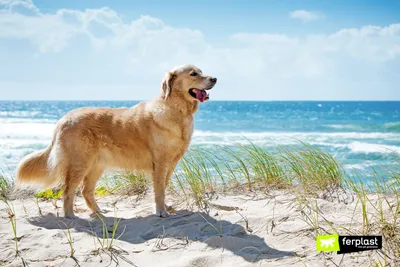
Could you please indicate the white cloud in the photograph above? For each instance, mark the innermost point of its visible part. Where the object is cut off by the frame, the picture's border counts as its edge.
(96, 54)
(305, 15)
(25, 7)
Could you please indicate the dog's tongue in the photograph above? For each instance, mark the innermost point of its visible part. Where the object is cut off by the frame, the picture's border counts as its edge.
(201, 95)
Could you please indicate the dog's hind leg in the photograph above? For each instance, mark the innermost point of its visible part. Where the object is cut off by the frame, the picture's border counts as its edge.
(89, 185)
(73, 177)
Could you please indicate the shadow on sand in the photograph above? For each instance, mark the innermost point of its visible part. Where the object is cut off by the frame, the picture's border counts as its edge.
(184, 225)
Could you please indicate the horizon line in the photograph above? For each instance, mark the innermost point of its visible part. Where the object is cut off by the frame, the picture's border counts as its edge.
(143, 100)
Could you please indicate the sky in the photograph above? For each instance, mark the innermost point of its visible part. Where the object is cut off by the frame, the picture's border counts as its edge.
(258, 49)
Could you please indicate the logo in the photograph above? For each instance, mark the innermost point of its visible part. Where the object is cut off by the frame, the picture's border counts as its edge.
(348, 244)
(328, 243)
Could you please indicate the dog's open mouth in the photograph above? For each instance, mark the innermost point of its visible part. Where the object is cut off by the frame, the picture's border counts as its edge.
(200, 95)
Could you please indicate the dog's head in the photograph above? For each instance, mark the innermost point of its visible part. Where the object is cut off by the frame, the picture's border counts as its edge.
(187, 82)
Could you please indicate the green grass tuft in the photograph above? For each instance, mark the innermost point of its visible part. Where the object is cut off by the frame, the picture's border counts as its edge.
(310, 168)
(5, 186)
(313, 169)
(123, 183)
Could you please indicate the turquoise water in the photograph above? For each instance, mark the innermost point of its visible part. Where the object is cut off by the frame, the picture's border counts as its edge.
(360, 135)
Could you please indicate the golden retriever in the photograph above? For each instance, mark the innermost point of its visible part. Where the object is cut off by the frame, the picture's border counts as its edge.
(150, 137)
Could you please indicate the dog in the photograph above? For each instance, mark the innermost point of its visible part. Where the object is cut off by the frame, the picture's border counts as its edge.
(150, 137)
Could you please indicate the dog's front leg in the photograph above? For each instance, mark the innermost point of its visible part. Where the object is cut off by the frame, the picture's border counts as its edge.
(159, 176)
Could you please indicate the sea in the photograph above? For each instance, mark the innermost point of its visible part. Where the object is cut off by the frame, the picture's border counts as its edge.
(360, 135)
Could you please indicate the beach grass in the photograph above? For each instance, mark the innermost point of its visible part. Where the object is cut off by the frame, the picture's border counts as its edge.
(124, 183)
(6, 184)
(106, 240)
(13, 223)
(379, 203)
(70, 240)
(303, 166)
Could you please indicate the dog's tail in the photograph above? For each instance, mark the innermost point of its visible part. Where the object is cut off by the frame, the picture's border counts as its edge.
(34, 169)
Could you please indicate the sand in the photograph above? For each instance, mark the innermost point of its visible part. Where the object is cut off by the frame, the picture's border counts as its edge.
(238, 230)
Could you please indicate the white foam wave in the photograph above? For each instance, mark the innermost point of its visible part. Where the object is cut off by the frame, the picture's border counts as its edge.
(366, 165)
(297, 135)
(19, 139)
(28, 114)
(364, 143)
(353, 127)
(22, 143)
(26, 130)
(368, 148)
(356, 166)
(44, 129)
(27, 120)
(327, 144)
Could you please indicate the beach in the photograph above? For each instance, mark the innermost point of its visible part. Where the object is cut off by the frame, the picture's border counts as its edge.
(249, 229)
(260, 182)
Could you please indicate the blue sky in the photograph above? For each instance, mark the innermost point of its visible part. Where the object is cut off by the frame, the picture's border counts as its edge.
(225, 17)
(259, 50)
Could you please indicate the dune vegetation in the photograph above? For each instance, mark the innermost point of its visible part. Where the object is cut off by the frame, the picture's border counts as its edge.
(307, 172)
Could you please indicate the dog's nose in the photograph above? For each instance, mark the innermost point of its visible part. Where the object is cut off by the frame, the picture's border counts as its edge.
(214, 80)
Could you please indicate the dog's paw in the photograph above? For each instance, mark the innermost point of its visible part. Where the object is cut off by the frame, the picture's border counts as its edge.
(161, 213)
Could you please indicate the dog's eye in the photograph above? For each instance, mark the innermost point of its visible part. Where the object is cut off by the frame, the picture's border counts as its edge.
(193, 74)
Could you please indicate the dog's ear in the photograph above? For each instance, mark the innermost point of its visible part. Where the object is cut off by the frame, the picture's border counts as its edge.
(167, 84)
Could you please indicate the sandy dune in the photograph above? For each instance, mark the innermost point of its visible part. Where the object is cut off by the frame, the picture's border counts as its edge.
(275, 234)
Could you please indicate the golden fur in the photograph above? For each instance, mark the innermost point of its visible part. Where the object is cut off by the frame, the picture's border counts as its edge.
(149, 137)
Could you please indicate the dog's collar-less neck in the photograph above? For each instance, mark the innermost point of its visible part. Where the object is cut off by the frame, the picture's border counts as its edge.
(182, 106)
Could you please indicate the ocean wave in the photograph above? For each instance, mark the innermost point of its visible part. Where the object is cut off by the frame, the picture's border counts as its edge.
(364, 166)
(31, 136)
(342, 145)
(33, 132)
(354, 127)
(368, 148)
(26, 130)
(23, 143)
(393, 126)
(385, 127)
(356, 166)
(296, 135)
(43, 128)
(19, 114)
(27, 120)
